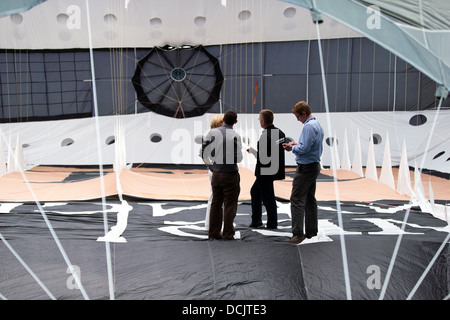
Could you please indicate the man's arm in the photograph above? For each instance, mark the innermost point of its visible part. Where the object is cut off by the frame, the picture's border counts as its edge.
(305, 141)
(207, 149)
(238, 150)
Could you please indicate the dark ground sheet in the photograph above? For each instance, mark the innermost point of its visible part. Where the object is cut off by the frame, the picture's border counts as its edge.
(167, 255)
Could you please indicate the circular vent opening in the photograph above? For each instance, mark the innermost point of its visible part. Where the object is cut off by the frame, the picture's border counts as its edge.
(67, 142)
(438, 155)
(289, 12)
(418, 120)
(62, 18)
(110, 140)
(330, 141)
(376, 138)
(110, 18)
(244, 15)
(155, 138)
(155, 22)
(178, 74)
(16, 18)
(199, 21)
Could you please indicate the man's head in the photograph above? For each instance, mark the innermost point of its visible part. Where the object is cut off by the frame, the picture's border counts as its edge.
(302, 111)
(230, 117)
(266, 118)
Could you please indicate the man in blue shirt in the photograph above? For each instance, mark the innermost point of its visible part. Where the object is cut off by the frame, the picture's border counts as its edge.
(307, 153)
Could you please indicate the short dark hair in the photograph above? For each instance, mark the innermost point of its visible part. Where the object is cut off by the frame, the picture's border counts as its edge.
(267, 116)
(301, 107)
(230, 117)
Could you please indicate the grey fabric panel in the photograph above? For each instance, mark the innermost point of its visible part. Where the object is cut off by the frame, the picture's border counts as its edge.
(430, 14)
(389, 34)
(8, 7)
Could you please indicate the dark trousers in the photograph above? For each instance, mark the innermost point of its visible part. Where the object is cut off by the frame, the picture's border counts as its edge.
(262, 192)
(303, 200)
(226, 189)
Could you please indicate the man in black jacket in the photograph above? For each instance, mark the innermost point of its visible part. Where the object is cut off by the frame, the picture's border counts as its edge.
(270, 166)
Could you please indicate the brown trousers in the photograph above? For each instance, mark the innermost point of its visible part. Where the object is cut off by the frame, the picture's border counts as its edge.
(226, 189)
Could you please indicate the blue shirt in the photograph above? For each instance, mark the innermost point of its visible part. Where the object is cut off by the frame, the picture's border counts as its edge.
(309, 147)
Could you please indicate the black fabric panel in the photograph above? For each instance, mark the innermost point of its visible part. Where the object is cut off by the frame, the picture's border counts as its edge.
(157, 264)
(360, 76)
(113, 70)
(286, 58)
(38, 85)
(290, 88)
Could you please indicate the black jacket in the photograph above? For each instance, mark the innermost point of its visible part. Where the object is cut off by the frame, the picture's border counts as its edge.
(270, 160)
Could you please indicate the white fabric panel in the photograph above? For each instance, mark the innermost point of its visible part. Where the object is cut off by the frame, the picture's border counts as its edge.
(371, 168)
(386, 175)
(181, 138)
(396, 124)
(346, 164)
(404, 178)
(357, 159)
(62, 24)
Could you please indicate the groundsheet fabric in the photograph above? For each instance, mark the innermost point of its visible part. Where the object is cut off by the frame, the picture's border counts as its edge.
(170, 182)
(164, 253)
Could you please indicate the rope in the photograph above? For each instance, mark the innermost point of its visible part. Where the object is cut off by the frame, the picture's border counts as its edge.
(100, 160)
(35, 277)
(48, 223)
(333, 161)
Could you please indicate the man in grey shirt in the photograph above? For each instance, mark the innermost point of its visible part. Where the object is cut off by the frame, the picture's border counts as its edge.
(223, 147)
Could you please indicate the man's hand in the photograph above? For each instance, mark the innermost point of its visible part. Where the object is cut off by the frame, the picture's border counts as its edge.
(288, 146)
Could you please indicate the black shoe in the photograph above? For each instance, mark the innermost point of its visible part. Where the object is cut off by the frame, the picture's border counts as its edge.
(310, 235)
(256, 225)
(271, 228)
